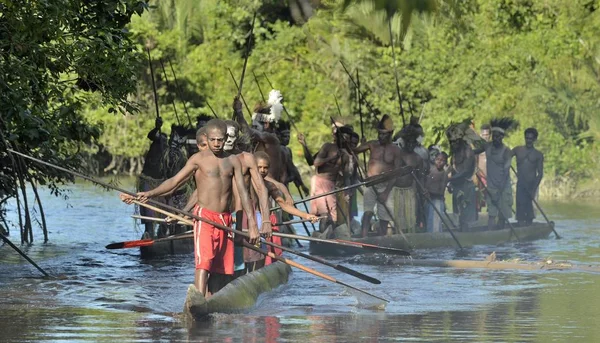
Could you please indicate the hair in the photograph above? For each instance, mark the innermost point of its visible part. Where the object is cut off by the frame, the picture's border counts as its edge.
(283, 125)
(233, 123)
(485, 127)
(216, 124)
(203, 117)
(355, 135)
(261, 155)
(443, 154)
(200, 132)
(533, 131)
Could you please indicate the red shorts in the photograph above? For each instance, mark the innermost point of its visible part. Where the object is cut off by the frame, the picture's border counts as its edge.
(213, 247)
(274, 239)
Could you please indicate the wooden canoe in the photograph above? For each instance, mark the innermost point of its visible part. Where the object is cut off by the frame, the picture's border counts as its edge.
(478, 236)
(237, 296)
(170, 247)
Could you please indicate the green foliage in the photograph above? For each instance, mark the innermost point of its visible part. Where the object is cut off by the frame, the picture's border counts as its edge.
(55, 53)
(537, 61)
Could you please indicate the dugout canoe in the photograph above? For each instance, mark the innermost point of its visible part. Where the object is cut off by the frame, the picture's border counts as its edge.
(237, 296)
(476, 236)
(171, 247)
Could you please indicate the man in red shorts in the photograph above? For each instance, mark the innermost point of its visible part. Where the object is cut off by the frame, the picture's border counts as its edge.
(214, 171)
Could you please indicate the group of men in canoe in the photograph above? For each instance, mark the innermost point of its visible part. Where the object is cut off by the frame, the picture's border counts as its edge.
(240, 169)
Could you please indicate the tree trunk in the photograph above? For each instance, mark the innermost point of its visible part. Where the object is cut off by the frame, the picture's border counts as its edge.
(39, 203)
(28, 229)
(19, 215)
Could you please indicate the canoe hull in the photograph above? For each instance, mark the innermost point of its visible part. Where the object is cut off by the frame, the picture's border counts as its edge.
(237, 296)
(171, 247)
(438, 240)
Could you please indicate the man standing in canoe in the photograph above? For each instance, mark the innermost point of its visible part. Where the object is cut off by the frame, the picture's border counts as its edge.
(530, 171)
(263, 131)
(215, 172)
(461, 137)
(499, 189)
(384, 157)
(330, 162)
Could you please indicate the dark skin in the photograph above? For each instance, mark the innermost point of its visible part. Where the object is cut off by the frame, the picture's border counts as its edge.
(530, 164)
(310, 159)
(276, 192)
(411, 159)
(384, 157)
(252, 178)
(215, 172)
(497, 146)
(265, 139)
(290, 173)
(436, 180)
(463, 161)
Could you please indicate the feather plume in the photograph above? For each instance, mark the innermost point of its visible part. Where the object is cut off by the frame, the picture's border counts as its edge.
(506, 124)
(271, 111)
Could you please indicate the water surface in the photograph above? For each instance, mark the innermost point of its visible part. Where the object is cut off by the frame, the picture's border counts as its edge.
(113, 295)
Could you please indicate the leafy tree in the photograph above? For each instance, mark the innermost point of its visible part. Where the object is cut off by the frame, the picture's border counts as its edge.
(54, 54)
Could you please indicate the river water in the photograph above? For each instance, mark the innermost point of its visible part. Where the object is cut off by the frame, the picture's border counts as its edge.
(113, 295)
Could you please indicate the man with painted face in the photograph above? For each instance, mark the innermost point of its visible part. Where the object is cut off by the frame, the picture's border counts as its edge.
(530, 171)
(384, 157)
(263, 131)
(498, 156)
(215, 172)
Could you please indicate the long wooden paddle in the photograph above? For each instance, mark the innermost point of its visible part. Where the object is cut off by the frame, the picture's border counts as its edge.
(345, 243)
(551, 223)
(170, 208)
(184, 235)
(309, 270)
(420, 186)
(277, 246)
(512, 229)
(164, 220)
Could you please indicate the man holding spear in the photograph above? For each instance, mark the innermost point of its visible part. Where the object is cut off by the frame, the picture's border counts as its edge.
(215, 172)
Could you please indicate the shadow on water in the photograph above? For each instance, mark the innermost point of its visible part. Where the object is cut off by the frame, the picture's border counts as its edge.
(103, 295)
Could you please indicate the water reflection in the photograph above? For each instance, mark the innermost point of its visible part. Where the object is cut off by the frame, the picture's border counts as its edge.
(115, 296)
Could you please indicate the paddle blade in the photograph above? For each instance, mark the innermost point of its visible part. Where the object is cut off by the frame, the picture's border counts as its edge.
(357, 274)
(130, 244)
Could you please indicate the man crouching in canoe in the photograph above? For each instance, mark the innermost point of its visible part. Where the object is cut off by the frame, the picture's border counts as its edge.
(215, 171)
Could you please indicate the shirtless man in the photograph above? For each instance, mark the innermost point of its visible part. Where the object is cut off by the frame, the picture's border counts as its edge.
(277, 192)
(262, 132)
(329, 162)
(258, 195)
(481, 169)
(530, 171)
(215, 172)
(499, 190)
(461, 182)
(384, 157)
(435, 187)
(405, 189)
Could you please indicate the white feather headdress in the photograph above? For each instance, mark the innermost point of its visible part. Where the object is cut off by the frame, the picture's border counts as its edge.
(272, 112)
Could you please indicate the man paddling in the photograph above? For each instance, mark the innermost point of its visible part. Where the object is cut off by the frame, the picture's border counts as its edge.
(277, 191)
(530, 171)
(215, 172)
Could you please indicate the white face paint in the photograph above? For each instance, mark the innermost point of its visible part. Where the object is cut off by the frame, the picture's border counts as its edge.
(257, 125)
(420, 139)
(231, 138)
